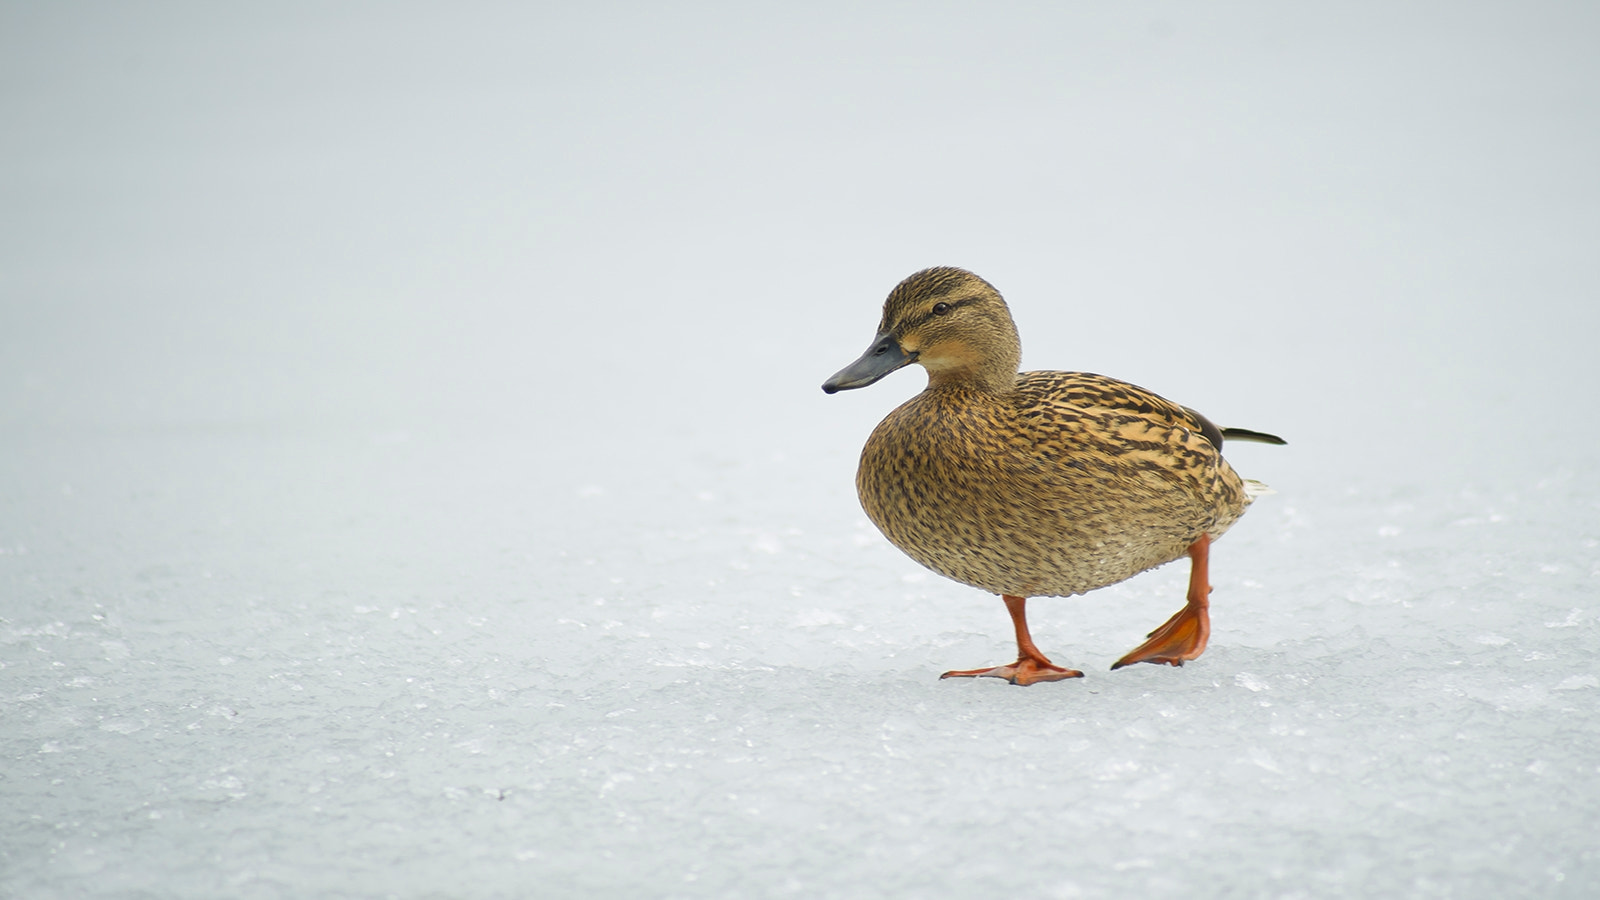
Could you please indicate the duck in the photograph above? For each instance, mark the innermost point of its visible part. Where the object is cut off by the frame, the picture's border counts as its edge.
(1037, 484)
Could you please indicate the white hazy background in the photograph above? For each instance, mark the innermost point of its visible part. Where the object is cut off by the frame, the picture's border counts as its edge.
(414, 479)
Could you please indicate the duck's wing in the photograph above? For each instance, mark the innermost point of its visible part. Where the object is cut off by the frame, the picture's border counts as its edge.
(1099, 394)
(1103, 394)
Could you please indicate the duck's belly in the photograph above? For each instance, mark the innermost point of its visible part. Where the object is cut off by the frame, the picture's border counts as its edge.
(1021, 528)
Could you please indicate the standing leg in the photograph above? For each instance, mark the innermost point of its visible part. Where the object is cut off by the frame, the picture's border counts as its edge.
(1184, 635)
(1031, 665)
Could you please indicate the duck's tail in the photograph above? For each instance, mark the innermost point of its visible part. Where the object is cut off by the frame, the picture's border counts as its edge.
(1254, 489)
(1245, 434)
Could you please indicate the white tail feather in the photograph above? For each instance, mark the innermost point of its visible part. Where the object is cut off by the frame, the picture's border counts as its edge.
(1254, 489)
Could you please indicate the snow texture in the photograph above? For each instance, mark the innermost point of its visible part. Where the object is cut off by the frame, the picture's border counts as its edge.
(414, 479)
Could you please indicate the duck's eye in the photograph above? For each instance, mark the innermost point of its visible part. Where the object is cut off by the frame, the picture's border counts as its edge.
(941, 308)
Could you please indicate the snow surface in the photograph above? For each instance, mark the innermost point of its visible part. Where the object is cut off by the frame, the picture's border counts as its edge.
(414, 479)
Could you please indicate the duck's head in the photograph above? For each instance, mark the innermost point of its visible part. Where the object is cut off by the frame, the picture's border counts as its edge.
(950, 322)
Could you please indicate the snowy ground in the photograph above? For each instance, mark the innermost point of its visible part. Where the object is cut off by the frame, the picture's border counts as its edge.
(414, 479)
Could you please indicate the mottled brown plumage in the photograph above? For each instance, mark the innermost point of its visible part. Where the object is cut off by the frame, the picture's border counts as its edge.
(1040, 483)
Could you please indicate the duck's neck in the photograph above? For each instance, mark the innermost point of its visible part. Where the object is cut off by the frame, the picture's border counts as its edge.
(987, 379)
(972, 369)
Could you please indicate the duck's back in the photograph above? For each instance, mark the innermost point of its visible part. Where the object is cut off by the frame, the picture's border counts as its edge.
(1069, 483)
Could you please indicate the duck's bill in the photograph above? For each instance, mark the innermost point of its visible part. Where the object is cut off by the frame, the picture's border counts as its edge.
(884, 356)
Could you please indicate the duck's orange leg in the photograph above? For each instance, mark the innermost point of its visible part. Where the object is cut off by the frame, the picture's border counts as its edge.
(1031, 665)
(1185, 634)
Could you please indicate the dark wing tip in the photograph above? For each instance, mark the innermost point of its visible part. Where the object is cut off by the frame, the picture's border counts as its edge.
(1245, 434)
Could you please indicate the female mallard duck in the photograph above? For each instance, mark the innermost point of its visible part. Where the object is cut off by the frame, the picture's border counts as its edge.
(1039, 483)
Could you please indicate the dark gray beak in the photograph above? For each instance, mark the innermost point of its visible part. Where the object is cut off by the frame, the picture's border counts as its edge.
(883, 357)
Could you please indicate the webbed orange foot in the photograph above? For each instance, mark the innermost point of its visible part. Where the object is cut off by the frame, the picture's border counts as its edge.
(1031, 665)
(1184, 636)
(1024, 671)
